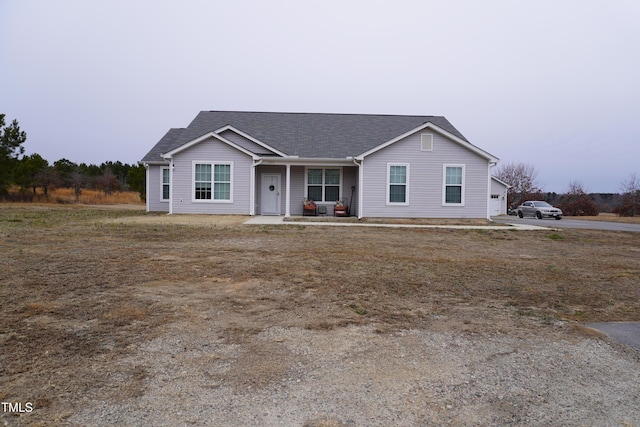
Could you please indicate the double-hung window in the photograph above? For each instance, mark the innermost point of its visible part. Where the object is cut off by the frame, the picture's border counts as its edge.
(212, 181)
(397, 183)
(323, 185)
(166, 177)
(453, 190)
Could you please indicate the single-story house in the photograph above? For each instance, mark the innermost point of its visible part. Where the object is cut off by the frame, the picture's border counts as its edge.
(262, 163)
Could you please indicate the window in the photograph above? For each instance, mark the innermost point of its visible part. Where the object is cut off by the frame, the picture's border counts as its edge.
(212, 181)
(453, 192)
(323, 185)
(203, 182)
(165, 183)
(397, 184)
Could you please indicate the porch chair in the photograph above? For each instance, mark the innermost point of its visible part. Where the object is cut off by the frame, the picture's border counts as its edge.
(309, 208)
(340, 209)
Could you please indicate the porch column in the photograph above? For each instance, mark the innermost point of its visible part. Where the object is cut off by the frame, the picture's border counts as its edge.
(287, 203)
(361, 189)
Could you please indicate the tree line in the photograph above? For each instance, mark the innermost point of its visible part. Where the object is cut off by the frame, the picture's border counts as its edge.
(28, 173)
(524, 185)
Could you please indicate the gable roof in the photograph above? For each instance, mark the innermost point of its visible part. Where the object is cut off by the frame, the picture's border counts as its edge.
(306, 135)
(207, 136)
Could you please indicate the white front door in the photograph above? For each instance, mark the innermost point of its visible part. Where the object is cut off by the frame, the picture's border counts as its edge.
(270, 190)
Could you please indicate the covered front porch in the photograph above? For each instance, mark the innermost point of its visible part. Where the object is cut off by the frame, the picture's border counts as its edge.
(282, 184)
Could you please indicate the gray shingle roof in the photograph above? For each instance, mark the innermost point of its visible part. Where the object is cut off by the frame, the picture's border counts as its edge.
(313, 135)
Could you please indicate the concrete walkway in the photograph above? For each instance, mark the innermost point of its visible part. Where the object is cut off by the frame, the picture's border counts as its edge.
(276, 220)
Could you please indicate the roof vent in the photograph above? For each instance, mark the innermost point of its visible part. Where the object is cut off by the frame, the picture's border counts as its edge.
(426, 142)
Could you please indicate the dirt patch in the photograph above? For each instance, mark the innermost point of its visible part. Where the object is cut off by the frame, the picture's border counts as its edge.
(121, 317)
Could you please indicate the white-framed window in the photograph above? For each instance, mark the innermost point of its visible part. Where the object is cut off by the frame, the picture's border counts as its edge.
(324, 184)
(453, 185)
(397, 183)
(166, 182)
(213, 182)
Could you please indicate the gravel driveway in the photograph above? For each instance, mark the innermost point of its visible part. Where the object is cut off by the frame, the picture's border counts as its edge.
(475, 374)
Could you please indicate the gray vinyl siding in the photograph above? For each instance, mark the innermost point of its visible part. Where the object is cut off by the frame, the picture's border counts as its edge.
(211, 150)
(154, 190)
(425, 180)
(350, 179)
(298, 189)
(244, 142)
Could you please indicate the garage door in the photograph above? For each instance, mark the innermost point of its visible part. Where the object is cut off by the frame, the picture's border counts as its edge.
(494, 206)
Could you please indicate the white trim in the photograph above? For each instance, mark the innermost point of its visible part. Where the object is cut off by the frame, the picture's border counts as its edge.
(429, 142)
(147, 186)
(213, 166)
(498, 179)
(204, 137)
(435, 128)
(306, 182)
(250, 138)
(252, 189)
(489, 192)
(360, 189)
(306, 161)
(171, 165)
(444, 184)
(287, 203)
(162, 184)
(406, 184)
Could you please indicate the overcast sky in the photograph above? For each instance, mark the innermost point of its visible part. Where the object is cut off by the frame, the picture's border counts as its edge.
(553, 83)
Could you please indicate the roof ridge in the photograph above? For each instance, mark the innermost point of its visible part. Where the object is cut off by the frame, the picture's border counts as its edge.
(316, 113)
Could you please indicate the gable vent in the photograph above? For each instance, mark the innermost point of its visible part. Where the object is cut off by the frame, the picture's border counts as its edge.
(426, 142)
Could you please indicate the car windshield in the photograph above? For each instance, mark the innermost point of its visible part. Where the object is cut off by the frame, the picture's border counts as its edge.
(541, 205)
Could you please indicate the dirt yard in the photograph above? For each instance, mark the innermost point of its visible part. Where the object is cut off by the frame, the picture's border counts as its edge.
(117, 317)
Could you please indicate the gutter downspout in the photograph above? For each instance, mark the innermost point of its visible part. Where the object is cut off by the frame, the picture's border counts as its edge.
(287, 202)
(491, 164)
(359, 186)
(252, 187)
(171, 166)
(146, 185)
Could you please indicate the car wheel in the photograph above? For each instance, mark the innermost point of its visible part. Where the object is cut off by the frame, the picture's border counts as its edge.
(538, 215)
(558, 218)
(520, 214)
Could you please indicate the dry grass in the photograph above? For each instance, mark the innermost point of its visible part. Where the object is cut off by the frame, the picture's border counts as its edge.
(609, 217)
(87, 197)
(408, 221)
(96, 197)
(81, 288)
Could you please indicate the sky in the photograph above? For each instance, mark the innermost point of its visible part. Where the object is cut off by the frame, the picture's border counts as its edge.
(555, 84)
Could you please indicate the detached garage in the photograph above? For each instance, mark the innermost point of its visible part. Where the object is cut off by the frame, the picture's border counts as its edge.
(498, 202)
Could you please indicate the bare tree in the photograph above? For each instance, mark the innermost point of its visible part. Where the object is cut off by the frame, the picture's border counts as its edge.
(78, 182)
(576, 202)
(108, 181)
(523, 181)
(630, 205)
